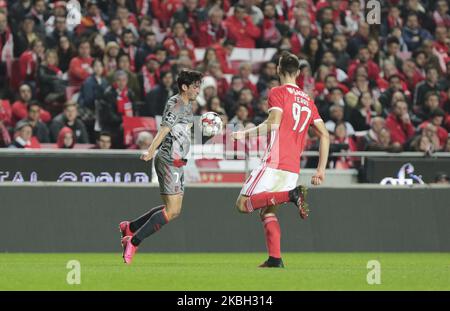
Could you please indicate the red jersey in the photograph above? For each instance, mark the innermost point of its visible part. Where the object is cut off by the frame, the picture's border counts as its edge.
(287, 143)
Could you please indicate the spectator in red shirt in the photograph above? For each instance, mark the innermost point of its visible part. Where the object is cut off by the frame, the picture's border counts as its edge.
(384, 143)
(440, 46)
(213, 30)
(223, 55)
(80, 67)
(440, 15)
(163, 10)
(6, 52)
(343, 140)
(5, 138)
(149, 75)
(178, 40)
(272, 29)
(241, 28)
(66, 139)
(364, 59)
(5, 112)
(399, 123)
(30, 59)
(302, 32)
(128, 20)
(191, 16)
(19, 108)
(437, 119)
(23, 137)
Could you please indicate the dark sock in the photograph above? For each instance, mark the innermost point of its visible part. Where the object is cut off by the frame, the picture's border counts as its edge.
(139, 222)
(156, 221)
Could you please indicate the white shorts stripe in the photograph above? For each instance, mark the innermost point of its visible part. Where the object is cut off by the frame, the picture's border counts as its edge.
(255, 181)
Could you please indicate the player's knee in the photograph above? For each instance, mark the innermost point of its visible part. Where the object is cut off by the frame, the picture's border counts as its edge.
(240, 206)
(173, 213)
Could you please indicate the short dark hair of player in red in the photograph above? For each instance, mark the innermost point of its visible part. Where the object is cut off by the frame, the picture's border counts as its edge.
(188, 77)
(288, 64)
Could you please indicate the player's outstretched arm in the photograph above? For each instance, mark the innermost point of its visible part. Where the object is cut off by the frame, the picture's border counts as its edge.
(271, 123)
(324, 147)
(162, 133)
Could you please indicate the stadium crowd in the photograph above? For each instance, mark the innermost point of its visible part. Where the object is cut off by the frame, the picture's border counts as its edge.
(378, 87)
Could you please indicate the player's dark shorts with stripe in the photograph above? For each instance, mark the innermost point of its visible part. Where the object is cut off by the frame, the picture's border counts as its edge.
(170, 176)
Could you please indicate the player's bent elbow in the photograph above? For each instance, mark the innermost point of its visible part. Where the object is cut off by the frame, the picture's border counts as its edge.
(324, 135)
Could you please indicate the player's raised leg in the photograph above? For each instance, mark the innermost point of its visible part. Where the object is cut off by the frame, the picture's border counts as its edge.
(248, 204)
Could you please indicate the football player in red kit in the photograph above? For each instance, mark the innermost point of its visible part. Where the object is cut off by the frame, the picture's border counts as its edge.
(274, 182)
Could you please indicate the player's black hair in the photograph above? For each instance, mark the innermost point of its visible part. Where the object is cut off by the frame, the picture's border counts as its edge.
(188, 77)
(289, 64)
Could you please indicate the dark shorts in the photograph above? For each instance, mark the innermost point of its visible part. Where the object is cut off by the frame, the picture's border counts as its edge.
(170, 177)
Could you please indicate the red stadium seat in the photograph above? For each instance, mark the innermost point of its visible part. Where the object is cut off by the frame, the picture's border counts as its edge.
(134, 125)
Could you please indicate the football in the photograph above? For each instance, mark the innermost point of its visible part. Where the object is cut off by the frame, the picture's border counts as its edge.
(211, 123)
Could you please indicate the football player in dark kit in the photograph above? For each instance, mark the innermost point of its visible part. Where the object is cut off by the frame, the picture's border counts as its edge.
(172, 143)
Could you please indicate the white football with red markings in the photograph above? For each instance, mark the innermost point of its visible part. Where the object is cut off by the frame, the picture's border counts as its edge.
(211, 123)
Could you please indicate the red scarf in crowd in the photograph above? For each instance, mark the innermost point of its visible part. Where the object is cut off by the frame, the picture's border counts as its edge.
(6, 47)
(131, 51)
(55, 69)
(150, 79)
(143, 7)
(124, 106)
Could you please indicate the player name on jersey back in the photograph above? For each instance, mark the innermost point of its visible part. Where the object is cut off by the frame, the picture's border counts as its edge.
(287, 143)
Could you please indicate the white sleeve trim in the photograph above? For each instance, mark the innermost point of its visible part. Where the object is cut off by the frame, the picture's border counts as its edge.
(318, 120)
(277, 108)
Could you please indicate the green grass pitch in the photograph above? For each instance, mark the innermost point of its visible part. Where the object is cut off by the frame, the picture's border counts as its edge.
(224, 271)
